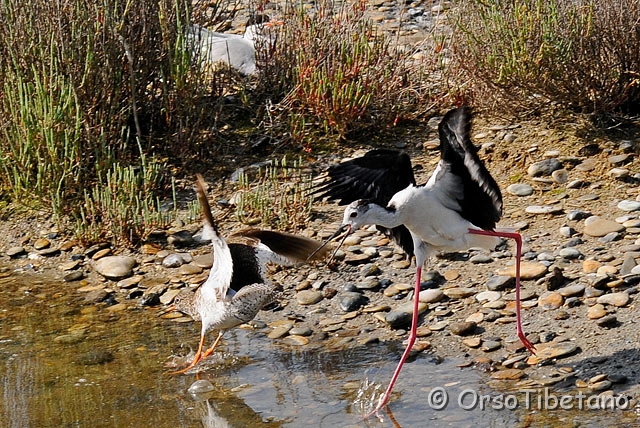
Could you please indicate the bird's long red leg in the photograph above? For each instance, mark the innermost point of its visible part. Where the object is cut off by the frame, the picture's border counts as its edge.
(412, 339)
(210, 350)
(518, 238)
(195, 359)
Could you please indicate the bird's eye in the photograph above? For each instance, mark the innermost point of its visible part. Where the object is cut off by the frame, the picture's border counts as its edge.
(353, 214)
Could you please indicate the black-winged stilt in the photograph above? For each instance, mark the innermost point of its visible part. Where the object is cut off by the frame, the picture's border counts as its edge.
(238, 51)
(456, 209)
(219, 306)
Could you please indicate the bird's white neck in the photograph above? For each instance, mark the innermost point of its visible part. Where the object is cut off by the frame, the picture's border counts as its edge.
(381, 216)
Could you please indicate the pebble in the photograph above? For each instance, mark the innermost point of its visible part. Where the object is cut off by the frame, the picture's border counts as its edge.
(570, 253)
(15, 251)
(472, 342)
(309, 297)
(528, 270)
(520, 189)
(73, 276)
(476, 317)
(550, 300)
(352, 301)
(560, 176)
(200, 386)
(462, 328)
(491, 345)
(543, 209)
(93, 358)
(41, 243)
(596, 312)
(488, 296)
(508, 374)
(459, 292)
(130, 282)
(431, 295)
(500, 282)
(280, 331)
(169, 295)
(590, 265)
(572, 290)
(619, 299)
(544, 167)
(547, 351)
(296, 340)
(598, 226)
(607, 321)
(115, 267)
(627, 205)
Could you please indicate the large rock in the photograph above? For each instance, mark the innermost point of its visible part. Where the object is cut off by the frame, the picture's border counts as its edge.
(115, 267)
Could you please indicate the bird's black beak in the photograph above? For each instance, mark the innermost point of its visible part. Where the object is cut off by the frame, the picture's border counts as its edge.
(337, 233)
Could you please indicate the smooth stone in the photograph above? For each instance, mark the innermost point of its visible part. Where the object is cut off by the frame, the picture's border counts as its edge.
(528, 270)
(368, 284)
(296, 340)
(356, 259)
(302, 330)
(173, 260)
(200, 386)
(629, 206)
(476, 317)
(101, 254)
(570, 253)
(431, 296)
(130, 282)
(451, 275)
(397, 319)
(560, 176)
(480, 259)
(151, 296)
(408, 307)
(620, 159)
(590, 265)
(71, 338)
(508, 374)
(280, 331)
(15, 251)
(600, 386)
(115, 267)
(550, 300)
(597, 226)
(547, 351)
(544, 167)
(491, 345)
(169, 295)
(472, 342)
(488, 296)
(204, 261)
(370, 270)
(619, 172)
(401, 264)
(459, 292)
(462, 328)
(190, 269)
(520, 189)
(572, 290)
(577, 215)
(619, 299)
(500, 282)
(596, 311)
(309, 297)
(41, 243)
(607, 321)
(352, 301)
(73, 276)
(70, 265)
(543, 209)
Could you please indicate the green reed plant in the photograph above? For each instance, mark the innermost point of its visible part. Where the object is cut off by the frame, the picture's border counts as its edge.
(332, 72)
(278, 197)
(119, 207)
(580, 54)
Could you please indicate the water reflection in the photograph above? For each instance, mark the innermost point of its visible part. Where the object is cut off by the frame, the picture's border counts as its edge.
(65, 363)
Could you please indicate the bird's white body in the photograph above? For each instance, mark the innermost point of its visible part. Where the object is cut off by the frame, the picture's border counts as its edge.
(434, 225)
(238, 51)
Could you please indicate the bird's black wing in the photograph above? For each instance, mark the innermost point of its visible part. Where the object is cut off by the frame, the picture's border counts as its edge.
(376, 177)
(480, 200)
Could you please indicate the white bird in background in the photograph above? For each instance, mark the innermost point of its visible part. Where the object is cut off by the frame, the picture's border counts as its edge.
(237, 51)
(236, 289)
(456, 209)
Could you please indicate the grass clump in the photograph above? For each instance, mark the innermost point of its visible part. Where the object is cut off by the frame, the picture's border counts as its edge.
(278, 197)
(334, 73)
(582, 55)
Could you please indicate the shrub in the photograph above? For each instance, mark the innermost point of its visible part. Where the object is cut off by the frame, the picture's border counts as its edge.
(581, 54)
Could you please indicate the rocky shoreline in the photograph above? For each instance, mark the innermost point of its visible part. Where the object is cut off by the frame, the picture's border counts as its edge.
(576, 203)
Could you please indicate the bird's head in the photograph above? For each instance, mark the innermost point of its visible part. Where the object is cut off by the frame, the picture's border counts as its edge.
(356, 214)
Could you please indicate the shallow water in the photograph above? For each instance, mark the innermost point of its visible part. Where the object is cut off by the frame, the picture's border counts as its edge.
(68, 364)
